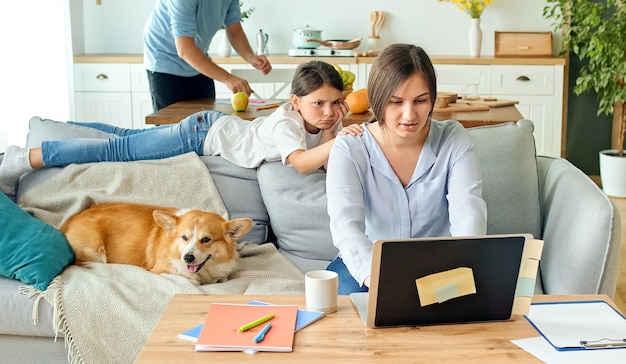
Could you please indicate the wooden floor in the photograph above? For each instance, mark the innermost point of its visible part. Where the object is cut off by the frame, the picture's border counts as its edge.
(620, 294)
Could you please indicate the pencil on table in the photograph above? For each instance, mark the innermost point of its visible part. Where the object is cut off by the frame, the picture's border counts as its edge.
(270, 106)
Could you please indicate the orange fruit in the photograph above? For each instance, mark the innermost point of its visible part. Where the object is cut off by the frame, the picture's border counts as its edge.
(357, 101)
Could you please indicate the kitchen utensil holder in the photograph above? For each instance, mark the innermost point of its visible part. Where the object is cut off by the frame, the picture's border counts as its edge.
(373, 43)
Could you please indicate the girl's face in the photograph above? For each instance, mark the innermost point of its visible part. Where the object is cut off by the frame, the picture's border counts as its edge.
(321, 109)
(406, 115)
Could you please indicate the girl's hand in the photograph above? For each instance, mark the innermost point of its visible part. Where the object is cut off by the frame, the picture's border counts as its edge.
(352, 129)
(340, 110)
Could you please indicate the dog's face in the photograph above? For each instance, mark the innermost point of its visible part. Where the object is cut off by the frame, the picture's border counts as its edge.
(200, 237)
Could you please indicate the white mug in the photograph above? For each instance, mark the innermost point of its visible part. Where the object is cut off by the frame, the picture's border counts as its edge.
(320, 289)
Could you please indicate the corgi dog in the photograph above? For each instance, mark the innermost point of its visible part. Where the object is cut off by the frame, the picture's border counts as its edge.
(195, 244)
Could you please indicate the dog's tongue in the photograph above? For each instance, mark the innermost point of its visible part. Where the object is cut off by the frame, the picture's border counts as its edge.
(193, 268)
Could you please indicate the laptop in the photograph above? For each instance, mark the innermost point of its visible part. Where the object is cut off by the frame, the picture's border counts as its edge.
(445, 280)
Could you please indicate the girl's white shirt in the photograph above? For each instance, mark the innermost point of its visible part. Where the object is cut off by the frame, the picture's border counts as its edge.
(265, 139)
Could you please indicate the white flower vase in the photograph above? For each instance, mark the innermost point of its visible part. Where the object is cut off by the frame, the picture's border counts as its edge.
(475, 37)
(224, 48)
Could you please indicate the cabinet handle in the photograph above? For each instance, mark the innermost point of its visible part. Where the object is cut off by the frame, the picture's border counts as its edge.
(102, 76)
(522, 79)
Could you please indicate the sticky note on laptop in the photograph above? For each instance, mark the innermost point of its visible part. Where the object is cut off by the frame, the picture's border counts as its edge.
(444, 286)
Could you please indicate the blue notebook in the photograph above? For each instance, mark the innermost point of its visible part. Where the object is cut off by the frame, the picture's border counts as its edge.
(304, 319)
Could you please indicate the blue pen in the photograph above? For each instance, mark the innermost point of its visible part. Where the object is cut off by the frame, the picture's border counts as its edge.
(261, 335)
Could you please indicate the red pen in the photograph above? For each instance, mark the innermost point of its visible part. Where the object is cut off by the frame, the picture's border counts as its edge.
(270, 106)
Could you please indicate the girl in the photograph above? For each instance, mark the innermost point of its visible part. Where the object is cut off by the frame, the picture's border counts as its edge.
(300, 133)
(406, 176)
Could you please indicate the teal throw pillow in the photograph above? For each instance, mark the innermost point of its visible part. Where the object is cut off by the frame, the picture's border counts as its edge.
(30, 250)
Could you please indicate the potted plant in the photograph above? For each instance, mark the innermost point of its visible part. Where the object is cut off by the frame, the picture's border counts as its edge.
(596, 33)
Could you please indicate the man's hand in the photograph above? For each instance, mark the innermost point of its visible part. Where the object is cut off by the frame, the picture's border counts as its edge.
(236, 84)
(261, 63)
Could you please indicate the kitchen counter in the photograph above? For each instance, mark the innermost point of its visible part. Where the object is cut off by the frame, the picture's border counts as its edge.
(286, 59)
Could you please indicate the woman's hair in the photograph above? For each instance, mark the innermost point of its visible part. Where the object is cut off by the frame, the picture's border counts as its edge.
(394, 65)
(312, 75)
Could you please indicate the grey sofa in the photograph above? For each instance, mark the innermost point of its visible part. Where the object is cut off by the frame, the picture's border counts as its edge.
(525, 193)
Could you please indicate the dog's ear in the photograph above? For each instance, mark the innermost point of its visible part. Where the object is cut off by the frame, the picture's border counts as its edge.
(238, 227)
(165, 220)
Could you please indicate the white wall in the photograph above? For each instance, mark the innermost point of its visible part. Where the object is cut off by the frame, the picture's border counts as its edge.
(35, 64)
(116, 25)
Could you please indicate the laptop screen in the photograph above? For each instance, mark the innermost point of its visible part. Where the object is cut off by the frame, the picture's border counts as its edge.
(489, 265)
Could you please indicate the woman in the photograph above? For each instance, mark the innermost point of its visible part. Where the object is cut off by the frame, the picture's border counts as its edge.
(406, 176)
(300, 133)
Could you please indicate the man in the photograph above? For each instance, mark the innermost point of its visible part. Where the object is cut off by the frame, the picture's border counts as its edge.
(177, 36)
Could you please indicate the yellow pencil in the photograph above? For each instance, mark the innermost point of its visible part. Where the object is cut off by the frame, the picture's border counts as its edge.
(255, 323)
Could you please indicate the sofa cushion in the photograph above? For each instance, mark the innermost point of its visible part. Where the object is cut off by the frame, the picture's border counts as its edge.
(30, 250)
(240, 192)
(40, 130)
(510, 182)
(296, 204)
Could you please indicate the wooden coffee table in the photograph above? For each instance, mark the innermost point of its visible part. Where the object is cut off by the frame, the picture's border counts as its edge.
(342, 337)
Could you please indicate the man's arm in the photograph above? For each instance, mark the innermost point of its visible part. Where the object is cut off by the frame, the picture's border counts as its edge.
(239, 41)
(188, 51)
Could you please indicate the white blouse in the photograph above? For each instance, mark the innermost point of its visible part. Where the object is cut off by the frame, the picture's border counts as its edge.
(367, 202)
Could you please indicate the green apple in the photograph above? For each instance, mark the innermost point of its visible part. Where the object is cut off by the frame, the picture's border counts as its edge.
(239, 101)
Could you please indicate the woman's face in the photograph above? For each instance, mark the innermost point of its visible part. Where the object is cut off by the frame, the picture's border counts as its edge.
(406, 115)
(321, 109)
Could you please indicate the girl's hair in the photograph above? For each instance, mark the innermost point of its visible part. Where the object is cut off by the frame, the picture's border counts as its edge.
(312, 75)
(394, 65)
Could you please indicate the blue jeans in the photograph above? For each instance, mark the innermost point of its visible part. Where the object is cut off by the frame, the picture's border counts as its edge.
(347, 283)
(132, 144)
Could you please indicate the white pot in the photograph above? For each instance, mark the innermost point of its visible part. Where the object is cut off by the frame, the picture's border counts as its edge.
(613, 173)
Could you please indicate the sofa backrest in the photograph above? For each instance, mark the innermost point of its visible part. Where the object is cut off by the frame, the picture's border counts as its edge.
(510, 182)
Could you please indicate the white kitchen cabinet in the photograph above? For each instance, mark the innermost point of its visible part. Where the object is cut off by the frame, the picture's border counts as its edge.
(539, 90)
(112, 93)
(106, 107)
(103, 93)
(470, 80)
(140, 95)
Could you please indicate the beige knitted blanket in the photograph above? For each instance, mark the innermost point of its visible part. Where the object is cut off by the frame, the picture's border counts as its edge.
(182, 181)
(106, 312)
